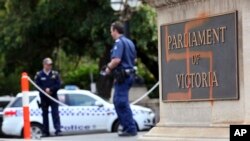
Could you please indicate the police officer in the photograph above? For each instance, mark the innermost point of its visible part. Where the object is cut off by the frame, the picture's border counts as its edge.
(122, 62)
(49, 80)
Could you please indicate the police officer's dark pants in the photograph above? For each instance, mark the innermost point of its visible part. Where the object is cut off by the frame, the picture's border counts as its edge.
(55, 115)
(122, 107)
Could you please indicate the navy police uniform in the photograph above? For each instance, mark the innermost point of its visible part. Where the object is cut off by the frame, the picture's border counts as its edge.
(51, 81)
(125, 50)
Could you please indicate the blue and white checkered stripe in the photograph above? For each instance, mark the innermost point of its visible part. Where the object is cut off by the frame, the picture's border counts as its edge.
(78, 112)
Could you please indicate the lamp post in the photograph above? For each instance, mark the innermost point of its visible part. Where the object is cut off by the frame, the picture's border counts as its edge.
(125, 9)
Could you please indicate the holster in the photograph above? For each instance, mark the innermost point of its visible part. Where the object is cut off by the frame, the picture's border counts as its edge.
(120, 75)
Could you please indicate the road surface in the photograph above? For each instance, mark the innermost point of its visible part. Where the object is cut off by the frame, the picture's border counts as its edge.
(85, 137)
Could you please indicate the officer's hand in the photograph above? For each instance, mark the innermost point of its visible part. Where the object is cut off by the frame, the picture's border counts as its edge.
(47, 90)
(107, 70)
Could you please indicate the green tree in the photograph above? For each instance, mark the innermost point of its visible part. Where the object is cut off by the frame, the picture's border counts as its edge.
(33, 29)
(144, 33)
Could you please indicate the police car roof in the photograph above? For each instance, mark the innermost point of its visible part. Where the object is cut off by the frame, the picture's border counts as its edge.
(6, 98)
(61, 91)
(30, 93)
(79, 91)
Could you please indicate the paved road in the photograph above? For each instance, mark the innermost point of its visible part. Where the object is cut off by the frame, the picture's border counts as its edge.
(87, 137)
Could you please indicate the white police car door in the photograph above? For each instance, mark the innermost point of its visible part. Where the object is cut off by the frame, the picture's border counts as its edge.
(87, 116)
(67, 117)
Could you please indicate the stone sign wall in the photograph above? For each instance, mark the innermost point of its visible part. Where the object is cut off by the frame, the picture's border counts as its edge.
(199, 58)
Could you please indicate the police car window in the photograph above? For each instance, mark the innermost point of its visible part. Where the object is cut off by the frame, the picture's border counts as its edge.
(18, 101)
(80, 100)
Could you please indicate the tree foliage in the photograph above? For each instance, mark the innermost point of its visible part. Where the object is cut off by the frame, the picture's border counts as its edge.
(35, 29)
(31, 30)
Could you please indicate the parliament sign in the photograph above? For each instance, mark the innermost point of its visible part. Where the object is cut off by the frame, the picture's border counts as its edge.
(199, 59)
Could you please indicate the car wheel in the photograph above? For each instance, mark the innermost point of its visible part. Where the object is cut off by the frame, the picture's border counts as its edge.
(36, 131)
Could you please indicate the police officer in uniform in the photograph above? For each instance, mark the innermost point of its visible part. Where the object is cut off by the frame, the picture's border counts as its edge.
(122, 62)
(49, 80)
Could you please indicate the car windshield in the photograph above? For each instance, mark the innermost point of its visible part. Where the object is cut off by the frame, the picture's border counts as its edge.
(18, 101)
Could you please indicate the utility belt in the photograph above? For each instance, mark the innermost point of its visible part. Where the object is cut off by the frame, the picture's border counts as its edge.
(121, 74)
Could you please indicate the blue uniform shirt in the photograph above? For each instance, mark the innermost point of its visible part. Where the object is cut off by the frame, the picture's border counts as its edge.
(124, 49)
(51, 81)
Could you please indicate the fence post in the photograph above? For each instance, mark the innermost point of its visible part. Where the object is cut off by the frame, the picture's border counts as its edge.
(26, 112)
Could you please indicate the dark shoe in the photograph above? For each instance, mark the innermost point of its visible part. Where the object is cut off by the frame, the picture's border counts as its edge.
(126, 134)
(58, 133)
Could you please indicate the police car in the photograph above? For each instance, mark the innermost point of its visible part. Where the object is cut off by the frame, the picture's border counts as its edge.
(86, 112)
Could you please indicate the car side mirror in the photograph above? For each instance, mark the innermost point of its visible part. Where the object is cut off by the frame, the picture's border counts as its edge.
(98, 103)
